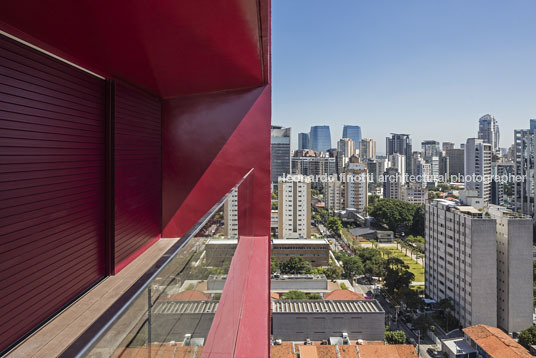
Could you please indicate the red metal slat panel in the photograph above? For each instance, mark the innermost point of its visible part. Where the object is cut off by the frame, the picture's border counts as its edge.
(137, 166)
(240, 327)
(52, 120)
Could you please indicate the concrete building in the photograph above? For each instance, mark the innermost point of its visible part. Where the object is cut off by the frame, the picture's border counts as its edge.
(456, 161)
(346, 147)
(303, 141)
(478, 167)
(391, 183)
(317, 165)
(318, 320)
(524, 145)
(481, 260)
(430, 148)
(457, 348)
(414, 193)
(316, 251)
(334, 195)
(280, 284)
(400, 144)
(500, 184)
(294, 208)
(367, 149)
(447, 145)
(398, 161)
(230, 215)
(488, 131)
(356, 187)
(280, 152)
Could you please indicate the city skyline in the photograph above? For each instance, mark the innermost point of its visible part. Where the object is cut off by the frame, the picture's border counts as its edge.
(404, 67)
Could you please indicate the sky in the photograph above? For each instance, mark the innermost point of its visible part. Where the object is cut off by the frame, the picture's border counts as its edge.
(430, 68)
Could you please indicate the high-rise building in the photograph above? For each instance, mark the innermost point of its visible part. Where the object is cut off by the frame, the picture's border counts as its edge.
(447, 145)
(320, 164)
(532, 125)
(334, 195)
(303, 141)
(501, 172)
(230, 215)
(524, 146)
(280, 152)
(444, 167)
(430, 148)
(478, 167)
(367, 149)
(294, 207)
(400, 144)
(353, 133)
(346, 147)
(482, 262)
(398, 161)
(488, 130)
(456, 161)
(320, 138)
(413, 193)
(356, 187)
(391, 184)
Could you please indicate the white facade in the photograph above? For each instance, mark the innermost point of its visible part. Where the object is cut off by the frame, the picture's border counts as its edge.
(367, 149)
(414, 193)
(294, 210)
(398, 161)
(334, 195)
(481, 260)
(230, 215)
(356, 187)
(478, 166)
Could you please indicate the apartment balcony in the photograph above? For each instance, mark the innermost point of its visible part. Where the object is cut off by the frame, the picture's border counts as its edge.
(124, 127)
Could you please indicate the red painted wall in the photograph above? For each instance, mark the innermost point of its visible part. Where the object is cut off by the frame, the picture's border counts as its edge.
(51, 186)
(137, 167)
(209, 143)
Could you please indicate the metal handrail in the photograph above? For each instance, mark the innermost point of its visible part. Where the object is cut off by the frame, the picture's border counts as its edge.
(90, 337)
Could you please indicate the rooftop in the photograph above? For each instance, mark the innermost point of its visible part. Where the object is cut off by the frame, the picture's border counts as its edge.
(387, 351)
(300, 241)
(189, 295)
(343, 295)
(184, 307)
(495, 342)
(458, 346)
(367, 350)
(328, 306)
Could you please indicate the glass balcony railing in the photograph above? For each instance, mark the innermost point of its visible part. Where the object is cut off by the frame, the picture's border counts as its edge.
(174, 308)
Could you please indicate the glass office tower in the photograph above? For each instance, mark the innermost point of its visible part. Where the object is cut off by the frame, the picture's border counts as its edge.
(352, 132)
(320, 138)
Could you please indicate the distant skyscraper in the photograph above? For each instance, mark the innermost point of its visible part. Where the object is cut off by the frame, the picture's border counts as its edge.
(430, 148)
(320, 138)
(456, 161)
(533, 125)
(346, 147)
(294, 210)
(367, 149)
(280, 148)
(303, 141)
(478, 163)
(400, 144)
(352, 132)
(356, 187)
(447, 145)
(488, 130)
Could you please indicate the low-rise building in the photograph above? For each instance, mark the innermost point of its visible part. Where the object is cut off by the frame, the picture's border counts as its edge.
(298, 320)
(457, 348)
(491, 342)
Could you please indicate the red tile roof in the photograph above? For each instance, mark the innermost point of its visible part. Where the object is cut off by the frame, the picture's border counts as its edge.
(343, 295)
(495, 342)
(387, 351)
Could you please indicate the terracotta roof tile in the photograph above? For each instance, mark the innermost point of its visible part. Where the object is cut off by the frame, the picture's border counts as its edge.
(282, 351)
(343, 295)
(348, 351)
(387, 351)
(308, 352)
(326, 351)
(495, 342)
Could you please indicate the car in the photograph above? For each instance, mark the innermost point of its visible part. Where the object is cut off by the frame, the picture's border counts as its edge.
(432, 353)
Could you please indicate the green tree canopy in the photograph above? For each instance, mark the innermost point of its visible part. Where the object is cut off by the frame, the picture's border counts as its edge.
(334, 224)
(352, 266)
(527, 337)
(395, 337)
(294, 295)
(274, 264)
(399, 215)
(397, 276)
(295, 266)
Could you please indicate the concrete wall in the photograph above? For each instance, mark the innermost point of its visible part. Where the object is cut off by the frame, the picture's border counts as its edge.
(318, 326)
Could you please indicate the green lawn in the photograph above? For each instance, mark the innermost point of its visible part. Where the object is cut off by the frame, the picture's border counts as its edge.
(414, 267)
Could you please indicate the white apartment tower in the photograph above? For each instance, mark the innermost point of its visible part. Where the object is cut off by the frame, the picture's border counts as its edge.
(356, 187)
(367, 149)
(230, 215)
(334, 195)
(294, 209)
(488, 131)
(482, 261)
(478, 166)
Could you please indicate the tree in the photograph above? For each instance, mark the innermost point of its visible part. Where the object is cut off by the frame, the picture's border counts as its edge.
(417, 225)
(294, 295)
(274, 205)
(527, 337)
(397, 275)
(411, 298)
(424, 323)
(274, 264)
(352, 266)
(393, 213)
(334, 224)
(295, 266)
(333, 272)
(395, 337)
